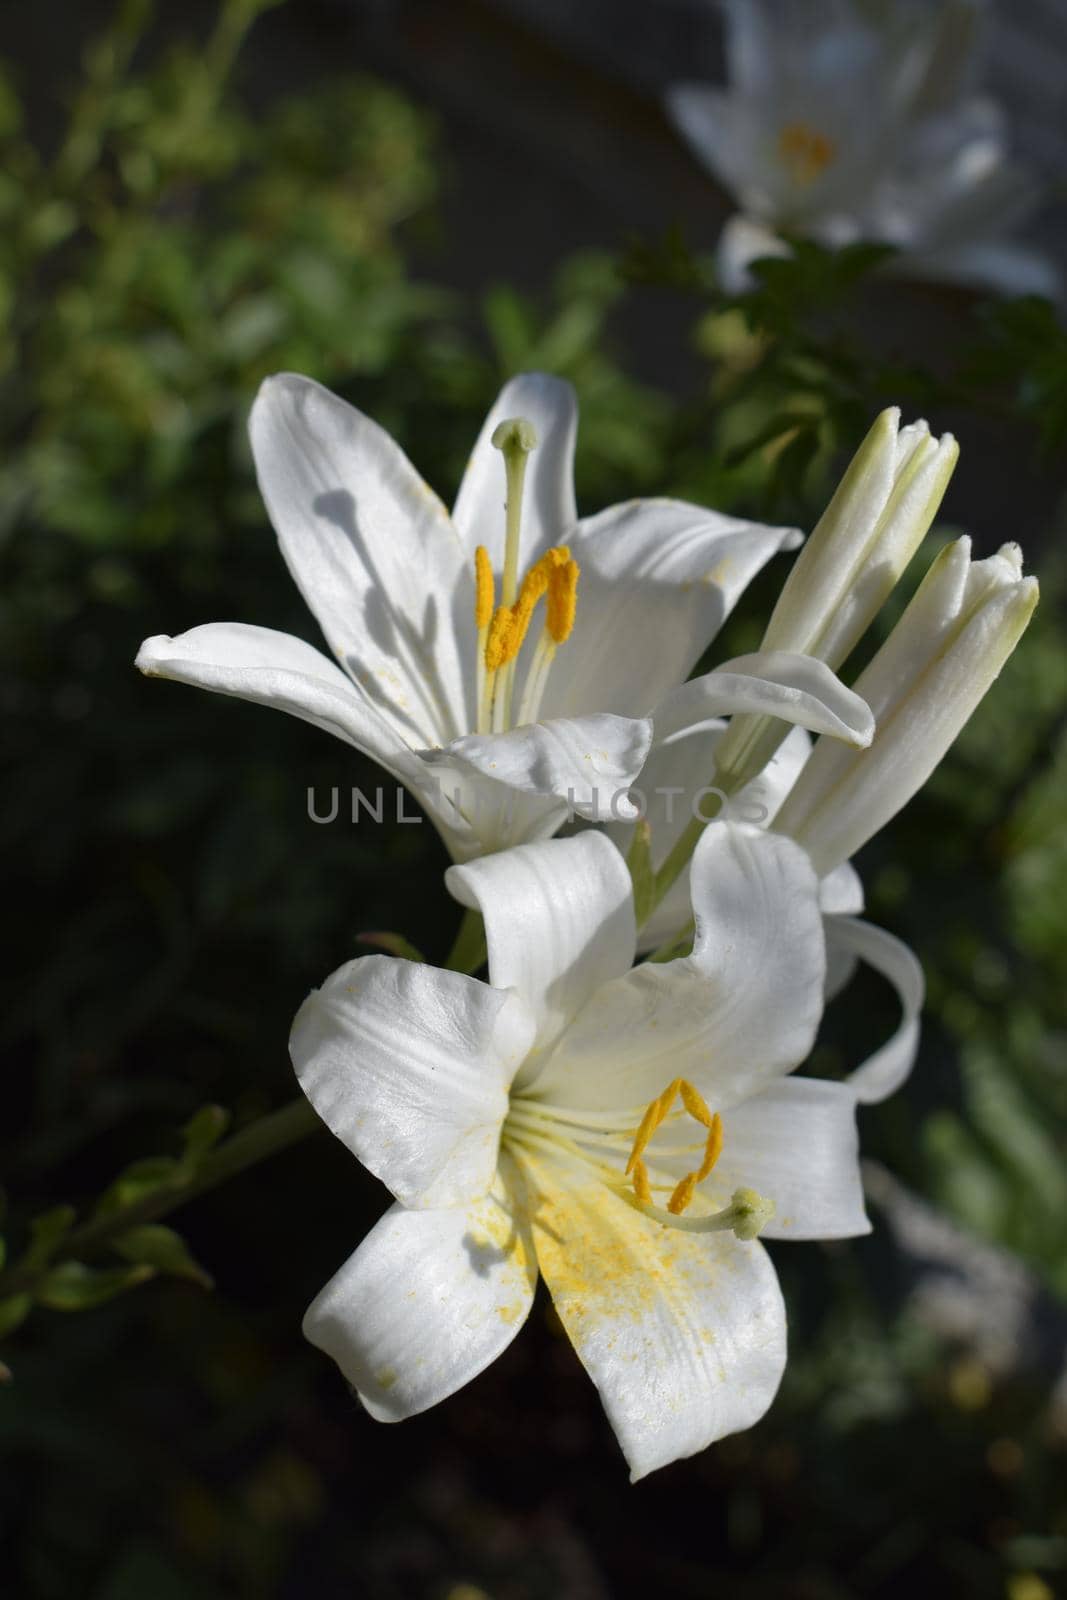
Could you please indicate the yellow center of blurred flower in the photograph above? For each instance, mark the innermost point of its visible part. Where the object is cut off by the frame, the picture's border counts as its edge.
(804, 151)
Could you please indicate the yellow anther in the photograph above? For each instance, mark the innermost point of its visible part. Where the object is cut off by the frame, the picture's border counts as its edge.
(534, 586)
(804, 151)
(654, 1116)
(713, 1148)
(682, 1195)
(562, 600)
(484, 588)
(496, 645)
(694, 1103)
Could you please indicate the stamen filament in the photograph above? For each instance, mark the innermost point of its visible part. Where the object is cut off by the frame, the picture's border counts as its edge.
(536, 678)
(747, 1214)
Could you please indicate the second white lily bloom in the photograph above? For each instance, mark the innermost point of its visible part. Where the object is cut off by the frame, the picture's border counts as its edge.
(844, 121)
(530, 1125)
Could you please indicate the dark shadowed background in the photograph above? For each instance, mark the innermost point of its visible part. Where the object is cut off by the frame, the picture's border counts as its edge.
(409, 201)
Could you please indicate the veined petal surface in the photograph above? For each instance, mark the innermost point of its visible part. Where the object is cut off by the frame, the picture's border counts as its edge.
(409, 1066)
(428, 1300)
(797, 1143)
(371, 548)
(277, 669)
(683, 1334)
(776, 683)
(738, 1013)
(651, 569)
(559, 923)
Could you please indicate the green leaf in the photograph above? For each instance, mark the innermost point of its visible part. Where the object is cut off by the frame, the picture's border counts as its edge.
(154, 1245)
(46, 1233)
(140, 1179)
(72, 1286)
(13, 1312)
(642, 874)
(202, 1133)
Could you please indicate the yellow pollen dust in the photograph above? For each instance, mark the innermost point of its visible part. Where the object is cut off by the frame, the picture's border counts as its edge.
(805, 151)
(656, 1114)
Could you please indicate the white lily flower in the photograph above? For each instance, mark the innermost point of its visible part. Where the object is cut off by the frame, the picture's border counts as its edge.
(923, 685)
(528, 1126)
(501, 726)
(846, 121)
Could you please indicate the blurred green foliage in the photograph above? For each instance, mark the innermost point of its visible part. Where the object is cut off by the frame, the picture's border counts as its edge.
(172, 246)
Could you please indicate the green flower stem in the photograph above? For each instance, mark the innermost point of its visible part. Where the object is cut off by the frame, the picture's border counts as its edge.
(253, 1144)
(468, 952)
(676, 862)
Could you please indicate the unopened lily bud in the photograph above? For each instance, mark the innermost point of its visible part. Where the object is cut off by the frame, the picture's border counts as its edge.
(960, 628)
(877, 519)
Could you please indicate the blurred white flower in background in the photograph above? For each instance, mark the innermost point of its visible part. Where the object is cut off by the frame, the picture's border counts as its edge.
(849, 120)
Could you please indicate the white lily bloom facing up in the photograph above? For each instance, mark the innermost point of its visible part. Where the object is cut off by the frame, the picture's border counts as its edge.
(845, 121)
(502, 662)
(624, 1132)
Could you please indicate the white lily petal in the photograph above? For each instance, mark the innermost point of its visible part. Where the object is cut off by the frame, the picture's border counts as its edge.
(997, 264)
(371, 548)
(683, 1334)
(745, 239)
(795, 688)
(652, 569)
(708, 120)
(410, 1066)
(589, 762)
(739, 1012)
(841, 892)
(840, 895)
(559, 923)
(797, 1143)
(549, 512)
(428, 1300)
(883, 1072)
(277, 669)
